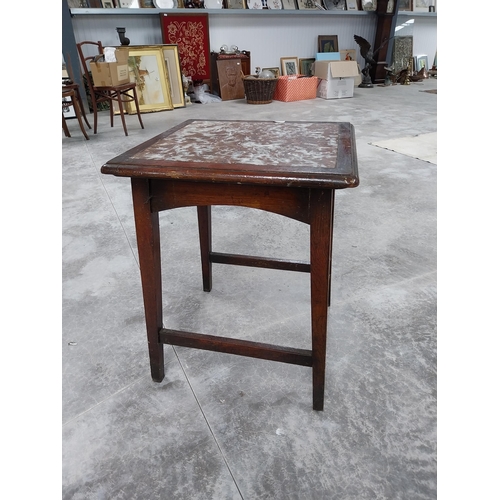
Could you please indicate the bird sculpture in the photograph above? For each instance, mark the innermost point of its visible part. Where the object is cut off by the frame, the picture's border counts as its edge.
(368, 55)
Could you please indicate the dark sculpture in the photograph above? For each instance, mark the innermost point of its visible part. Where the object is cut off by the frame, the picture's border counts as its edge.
(369, 56)
(123, 39)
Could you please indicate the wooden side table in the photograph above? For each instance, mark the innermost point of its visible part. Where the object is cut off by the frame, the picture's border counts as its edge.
(288, 168)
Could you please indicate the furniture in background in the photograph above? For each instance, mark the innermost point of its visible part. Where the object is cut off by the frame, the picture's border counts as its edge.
(243, 56)
(120, 94)
(73, 101)
(201, 163)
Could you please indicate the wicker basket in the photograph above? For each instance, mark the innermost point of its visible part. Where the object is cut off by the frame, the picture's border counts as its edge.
(259, 90)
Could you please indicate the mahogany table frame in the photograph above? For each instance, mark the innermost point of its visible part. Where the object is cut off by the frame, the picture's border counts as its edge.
(159, 185)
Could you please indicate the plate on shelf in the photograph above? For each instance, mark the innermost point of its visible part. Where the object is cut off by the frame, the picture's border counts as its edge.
(334, 4)
(165, 4)
(274, 4)
(254, 4)
(213, 4)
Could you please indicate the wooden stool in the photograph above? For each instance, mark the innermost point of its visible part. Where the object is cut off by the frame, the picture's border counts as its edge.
(288, 168)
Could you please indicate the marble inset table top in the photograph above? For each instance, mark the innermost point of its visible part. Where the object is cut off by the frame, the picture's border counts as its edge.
(241, 151)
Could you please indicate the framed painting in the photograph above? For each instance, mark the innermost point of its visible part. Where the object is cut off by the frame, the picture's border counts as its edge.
(290, 4)
(352, 4)
(348, 55)
(230, 82)
(172, 60)
(289, 65)
(147, 67)
(405, 5)
(328, 43)
(190, 33)
(306, 5)
(421, 5)
(305, 66)
(274, 70)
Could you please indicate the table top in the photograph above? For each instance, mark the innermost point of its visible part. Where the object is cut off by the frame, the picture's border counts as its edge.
(291, 153)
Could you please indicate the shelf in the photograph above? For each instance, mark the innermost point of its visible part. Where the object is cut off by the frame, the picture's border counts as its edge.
(238, 12)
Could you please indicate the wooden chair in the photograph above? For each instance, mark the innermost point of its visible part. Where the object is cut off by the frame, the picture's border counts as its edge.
(69, 83)
(76, 106)
(120, 94)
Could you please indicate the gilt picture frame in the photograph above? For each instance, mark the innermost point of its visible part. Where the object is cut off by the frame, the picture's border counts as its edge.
(147, 67)
(173, 62)
(289, 65)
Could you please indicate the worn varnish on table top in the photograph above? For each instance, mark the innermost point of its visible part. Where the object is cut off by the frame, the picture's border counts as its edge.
(265, 152)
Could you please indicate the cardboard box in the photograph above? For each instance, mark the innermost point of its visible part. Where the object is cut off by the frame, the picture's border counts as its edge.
(295, 88)
(114, 73)
(337, 78)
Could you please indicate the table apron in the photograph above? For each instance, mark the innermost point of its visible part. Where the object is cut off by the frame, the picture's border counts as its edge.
(290, 202)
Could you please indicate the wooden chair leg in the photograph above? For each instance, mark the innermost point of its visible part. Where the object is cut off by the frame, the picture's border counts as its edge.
(94, 110)
(137, 107)
(65, 127)
(122, 112)
(82, 109)
(78, 113)
(321, 214)
(148, 246)
(205, 231)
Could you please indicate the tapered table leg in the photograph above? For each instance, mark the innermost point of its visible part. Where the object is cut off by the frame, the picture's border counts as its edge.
(205, 231)
(320, 235)
(148, 245)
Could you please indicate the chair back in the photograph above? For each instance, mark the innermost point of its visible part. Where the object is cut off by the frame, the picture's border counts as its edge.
(84, 48)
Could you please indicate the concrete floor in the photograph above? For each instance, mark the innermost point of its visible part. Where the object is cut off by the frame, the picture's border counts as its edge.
(226, 427)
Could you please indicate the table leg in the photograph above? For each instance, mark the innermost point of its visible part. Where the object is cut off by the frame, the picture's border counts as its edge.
(205, 231)
(330, 252)
(320, 243)
(148, 245)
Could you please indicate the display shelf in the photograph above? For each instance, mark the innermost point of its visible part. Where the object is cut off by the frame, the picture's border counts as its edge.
(257, 12)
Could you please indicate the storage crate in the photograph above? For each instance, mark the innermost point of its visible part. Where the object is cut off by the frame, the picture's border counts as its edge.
(295, 88)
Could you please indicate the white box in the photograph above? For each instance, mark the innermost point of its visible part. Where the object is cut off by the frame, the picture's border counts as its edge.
(337, 78)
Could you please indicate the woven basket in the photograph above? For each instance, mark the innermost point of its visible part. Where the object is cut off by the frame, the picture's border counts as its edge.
(259, 90)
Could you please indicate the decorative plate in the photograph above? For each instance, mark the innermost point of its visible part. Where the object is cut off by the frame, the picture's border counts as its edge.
(165, 4)
(335, 4)
(213, 4)
(274, 4)
(254, 4)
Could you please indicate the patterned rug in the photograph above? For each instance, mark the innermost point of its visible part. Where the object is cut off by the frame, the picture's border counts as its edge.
(422, 147)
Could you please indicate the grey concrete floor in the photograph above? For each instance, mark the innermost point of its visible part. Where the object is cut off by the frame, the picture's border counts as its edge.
(226, 427)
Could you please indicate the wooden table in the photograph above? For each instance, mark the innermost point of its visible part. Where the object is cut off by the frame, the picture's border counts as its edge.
(287, 168)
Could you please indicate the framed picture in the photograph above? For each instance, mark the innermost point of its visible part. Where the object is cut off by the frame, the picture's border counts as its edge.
(421, 6)
(275, 70)
(107, 4)
(305, 66)
(334, 4)
(328, 43)
(68, 112)
(306, 5)
(289, 65)
(421, 62)
(147, 67)
(235, 4)
(173, 62)
(352, 4)
(348, 55)
(230, 82)
(405, 5)
(289, 4)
